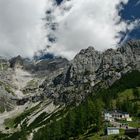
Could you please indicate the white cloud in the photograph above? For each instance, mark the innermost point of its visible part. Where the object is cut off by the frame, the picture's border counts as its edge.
(88, 22)
(137, 3)
(21, 26)
(81, 23)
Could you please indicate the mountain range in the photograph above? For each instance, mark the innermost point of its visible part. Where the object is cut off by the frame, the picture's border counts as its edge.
(36, 93)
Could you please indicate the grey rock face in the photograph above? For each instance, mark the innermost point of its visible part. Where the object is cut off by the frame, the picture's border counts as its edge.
(91, 68)
(95, 66)
(87, 62)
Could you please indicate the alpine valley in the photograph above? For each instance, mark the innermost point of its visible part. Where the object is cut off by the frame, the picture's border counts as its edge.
(57, 99)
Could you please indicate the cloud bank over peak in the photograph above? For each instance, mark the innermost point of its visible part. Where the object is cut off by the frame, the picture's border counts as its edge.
(83, 23)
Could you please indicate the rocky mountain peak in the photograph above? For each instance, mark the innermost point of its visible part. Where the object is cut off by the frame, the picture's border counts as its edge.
(87, 60)
(16, 62)
(88, 50)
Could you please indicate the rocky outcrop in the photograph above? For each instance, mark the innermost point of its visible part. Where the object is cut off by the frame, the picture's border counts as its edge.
(91, 68)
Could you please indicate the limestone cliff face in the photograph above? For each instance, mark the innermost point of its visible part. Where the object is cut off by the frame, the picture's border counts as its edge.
(87, 62)
(91, 65)
(97, 69)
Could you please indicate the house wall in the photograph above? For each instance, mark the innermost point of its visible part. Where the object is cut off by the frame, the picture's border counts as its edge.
(108, 117)
(115, 115)
(112, 131)
(126, 116)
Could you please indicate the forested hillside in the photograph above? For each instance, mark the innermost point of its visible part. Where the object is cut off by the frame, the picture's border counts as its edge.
(123, 95)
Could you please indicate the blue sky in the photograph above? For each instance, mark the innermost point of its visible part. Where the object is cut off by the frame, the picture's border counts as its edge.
(59, 1)
(130, 12)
